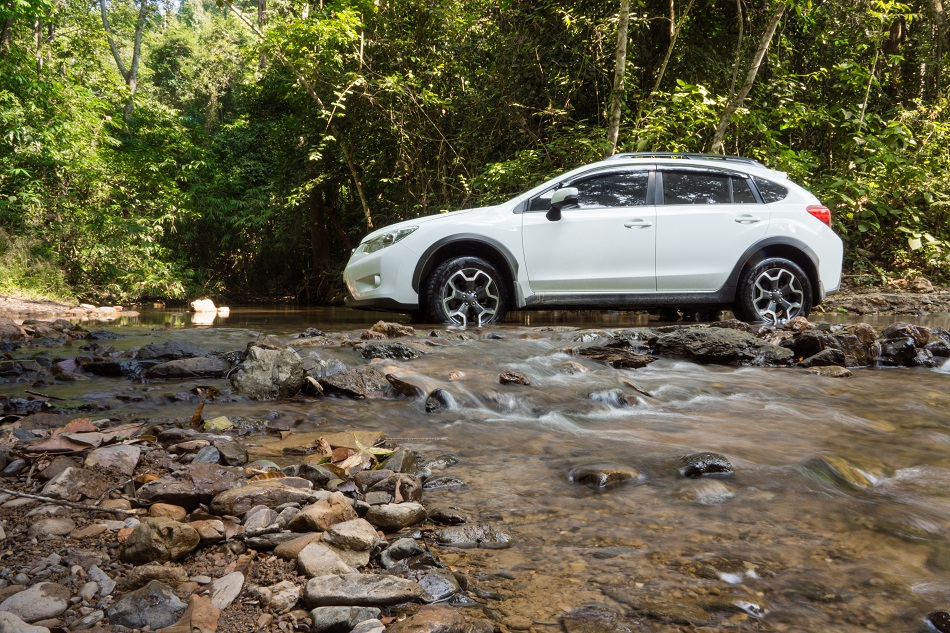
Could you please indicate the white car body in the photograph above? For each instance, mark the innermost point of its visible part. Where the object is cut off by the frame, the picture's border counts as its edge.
(643, 255)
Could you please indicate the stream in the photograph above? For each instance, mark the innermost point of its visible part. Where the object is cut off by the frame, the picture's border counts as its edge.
(780, 546)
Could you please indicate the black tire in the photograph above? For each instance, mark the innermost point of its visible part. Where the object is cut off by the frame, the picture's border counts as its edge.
(466, 291)
(774, 291)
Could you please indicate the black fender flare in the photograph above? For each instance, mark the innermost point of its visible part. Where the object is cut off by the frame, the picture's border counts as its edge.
(426, 262)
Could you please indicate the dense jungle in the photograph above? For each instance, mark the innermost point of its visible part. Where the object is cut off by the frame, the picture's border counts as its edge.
(168, 149)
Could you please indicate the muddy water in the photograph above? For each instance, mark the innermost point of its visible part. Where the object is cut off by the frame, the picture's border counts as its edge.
(780, 546)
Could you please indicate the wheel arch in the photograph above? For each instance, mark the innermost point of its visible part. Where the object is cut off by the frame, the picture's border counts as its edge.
(470, 245)
(792, 250)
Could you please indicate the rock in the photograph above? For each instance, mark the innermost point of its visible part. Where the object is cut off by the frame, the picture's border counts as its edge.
(392, 517)
(57, 466)
(159, 540)
(232, 453)
(719, 345)
(170, 350)
(119, 368)
(437, 585)
(355, 535)
(103, 581)
(203, 305)
(56, 526)
(485, 535)
(202, 367)
(831, 371)
(75, 484)
(442, 483)
(918, 333)
(155, 605)
(201, 616)
(618, 355)
(366, 381)
(824, 358)
(513, 378)
(401, 461)
(440, 619)
(707, 492)
(171, 575)
(224, 590)
(261, 518)
(273, 541)
(405, 387)
(319, 516)
(840, 472)
(217, 425)
(602, 476)
(705, 465)
(317, 474)
(389, 351)
(393, 330)
(843, 348)
(440, 400)
(938, 621)
(279, 598)
(267, 492)
(193, 485)
(866, 334)
(209, 530)
(400, 487)
(369, 626)
(663, 609)
(290, 549)
(41, 601)
(400, 550)
(446, 515)
(336, 619)
(10, 623)
(122, 457)
(268, 374)
(169, 511)
(361, 590)
(596, 619)
(319, 559)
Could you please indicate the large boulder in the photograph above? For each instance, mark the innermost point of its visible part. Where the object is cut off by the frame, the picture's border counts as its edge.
(199, 367)
(159, 539)
(155, 605)
(268, 492)
(720, 345)
(192, 485)
(359, 590)
(366, 381)
(171, 350)
(268, 373)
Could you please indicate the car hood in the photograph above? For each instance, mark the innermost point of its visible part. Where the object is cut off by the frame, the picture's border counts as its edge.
(423, 220)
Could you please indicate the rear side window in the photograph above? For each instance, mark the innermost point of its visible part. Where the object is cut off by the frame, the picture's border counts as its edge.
(742, 192)
(770, 191)
(695, 188)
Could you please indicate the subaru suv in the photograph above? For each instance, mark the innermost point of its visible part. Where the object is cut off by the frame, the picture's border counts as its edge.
(634, 231)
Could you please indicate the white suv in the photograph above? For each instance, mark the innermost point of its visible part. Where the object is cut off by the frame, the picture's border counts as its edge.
(691, 231)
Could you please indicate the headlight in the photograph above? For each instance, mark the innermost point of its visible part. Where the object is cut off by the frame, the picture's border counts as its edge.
(386, 239)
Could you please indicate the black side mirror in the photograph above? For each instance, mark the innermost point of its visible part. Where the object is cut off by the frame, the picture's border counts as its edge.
(565, 197)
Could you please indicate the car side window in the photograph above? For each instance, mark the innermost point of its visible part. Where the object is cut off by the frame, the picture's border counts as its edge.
(695, 187)
(617, 189)
(742, 192)
(770, 191)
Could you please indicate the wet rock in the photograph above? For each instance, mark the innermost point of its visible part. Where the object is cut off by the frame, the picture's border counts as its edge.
(442, 483)
(192, 485)
(319, 516)
(207, 367)
(75, 484)
(405, 387)
(898, 352)
(226, 589)
(155, 605)
(392, 517)
(513, 378)
(340, 619)
(840, 472)
(662, 609)
(159, 540)
(401, 461)
(316, 474)
(440, 619)
(621, 356)
(825, 358)
(366, 381)
(119, 368)
(918, 333)
(831, 371)
(393, 330)
(390, 351)
(437, 585)
(170, 350)
(446, 515)
(278, 598)
(41, 601)
(602, 476)
(11, 623)
(705, 464)
(706, 492)
(938, 621)
(56, 526)
(361, 590)
(400, 550)
(596, 619)
(267, 492)
(485, 535)
(319, 559)
(440, 400)
(122, 457)
(718, 345)
(232, 453)
(613, 398)
(268, 374)
(400, 487)
(208, 454)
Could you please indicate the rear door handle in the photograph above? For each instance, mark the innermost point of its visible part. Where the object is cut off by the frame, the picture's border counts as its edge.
(637, 224)
(748, 219)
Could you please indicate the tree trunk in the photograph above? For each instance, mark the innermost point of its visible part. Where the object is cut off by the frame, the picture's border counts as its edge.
(734, 104)
(943, 34)
(620, 70)
(319, 242)
(261, 21)
(129, 75)
(6, 37)
(739, 42)
(38, 38)
(675, 26)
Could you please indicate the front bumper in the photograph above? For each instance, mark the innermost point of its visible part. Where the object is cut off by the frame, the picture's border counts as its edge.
(380, 304)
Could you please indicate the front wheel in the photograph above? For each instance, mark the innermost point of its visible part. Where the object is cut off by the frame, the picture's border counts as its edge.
(467, 291)
(774, 290)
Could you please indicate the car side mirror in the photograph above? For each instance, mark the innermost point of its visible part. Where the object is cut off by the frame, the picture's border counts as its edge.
(565, 197)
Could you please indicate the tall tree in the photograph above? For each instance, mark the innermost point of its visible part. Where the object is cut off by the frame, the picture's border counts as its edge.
(620, 71)
(129, 74)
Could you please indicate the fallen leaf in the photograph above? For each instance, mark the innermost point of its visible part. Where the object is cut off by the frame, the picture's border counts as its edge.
(79, 425)
(58, 444)
(196, 418)
(200, 617)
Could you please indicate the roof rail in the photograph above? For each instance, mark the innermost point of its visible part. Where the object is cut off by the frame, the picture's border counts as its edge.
(687, 156)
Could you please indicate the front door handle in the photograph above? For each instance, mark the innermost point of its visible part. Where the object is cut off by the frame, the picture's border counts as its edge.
(637, 224)
(748, 219)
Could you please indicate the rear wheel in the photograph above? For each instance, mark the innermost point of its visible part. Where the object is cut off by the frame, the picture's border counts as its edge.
(774, 290)
(467, 291)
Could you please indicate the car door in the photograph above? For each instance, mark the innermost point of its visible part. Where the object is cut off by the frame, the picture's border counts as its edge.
(706, 219)
(606, 243)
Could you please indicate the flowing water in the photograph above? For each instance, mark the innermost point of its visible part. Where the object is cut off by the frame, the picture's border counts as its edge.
(855, 542)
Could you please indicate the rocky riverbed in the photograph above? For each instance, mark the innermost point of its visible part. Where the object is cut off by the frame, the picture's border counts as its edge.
(142, 521)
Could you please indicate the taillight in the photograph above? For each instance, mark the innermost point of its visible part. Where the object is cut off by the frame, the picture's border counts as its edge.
(820, 212)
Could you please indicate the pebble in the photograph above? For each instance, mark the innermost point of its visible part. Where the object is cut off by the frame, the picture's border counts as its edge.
(41, 601)
(706, 464)
(226, 589)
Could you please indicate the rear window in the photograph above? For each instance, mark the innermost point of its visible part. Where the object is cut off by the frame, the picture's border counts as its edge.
(770, 191)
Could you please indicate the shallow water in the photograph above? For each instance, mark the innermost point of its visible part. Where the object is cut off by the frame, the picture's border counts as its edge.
(779, 546)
